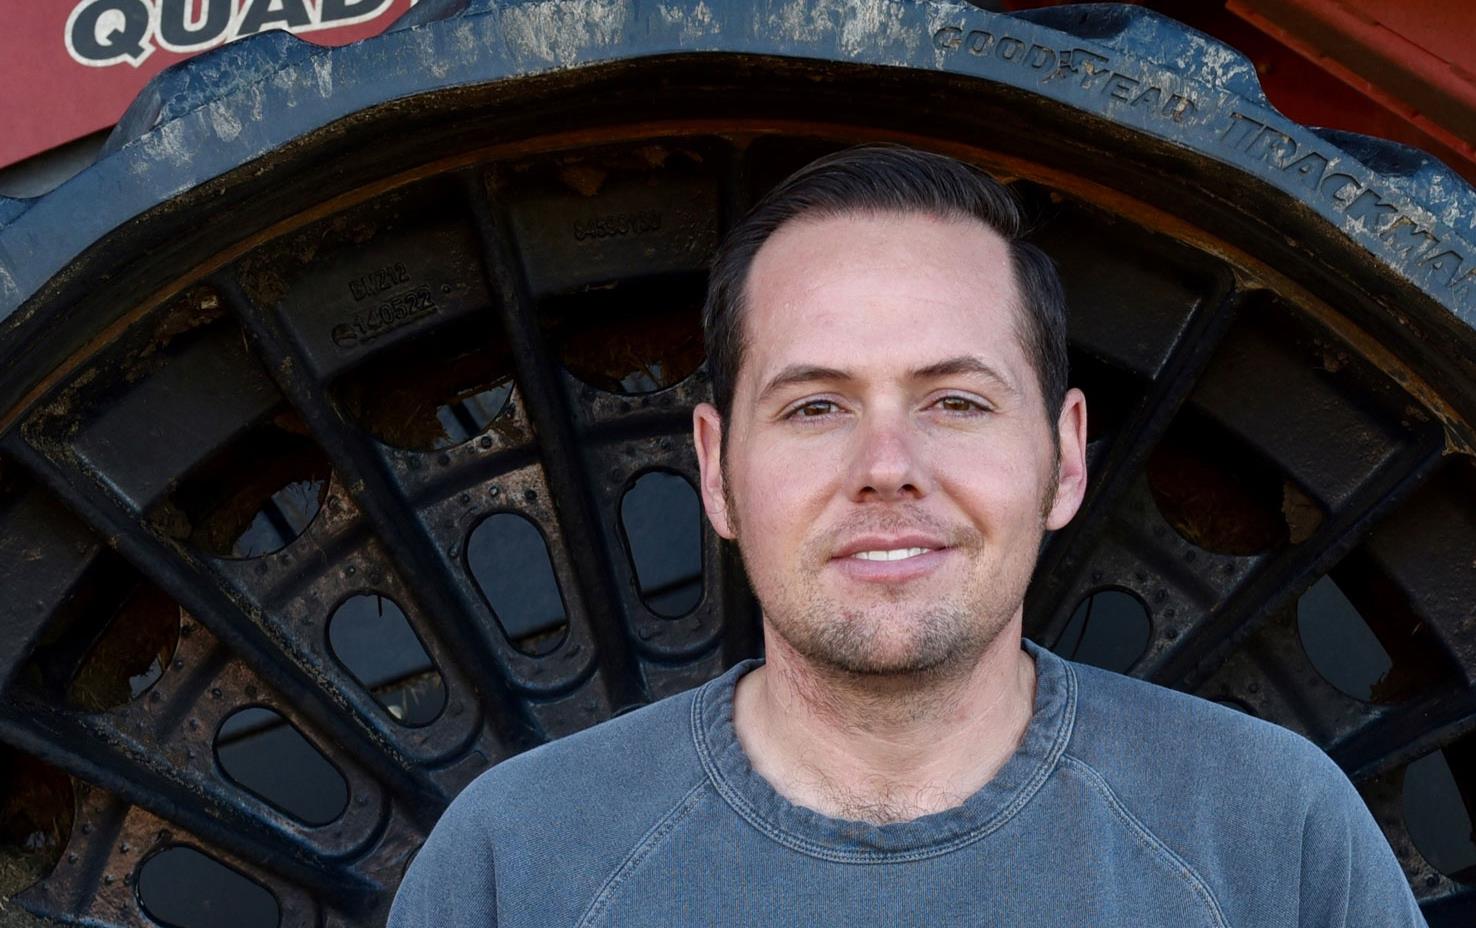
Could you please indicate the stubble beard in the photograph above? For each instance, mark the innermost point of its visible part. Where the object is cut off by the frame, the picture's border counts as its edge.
(892, 636)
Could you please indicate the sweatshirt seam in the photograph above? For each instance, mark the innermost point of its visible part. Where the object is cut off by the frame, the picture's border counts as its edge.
(1026, 792)
(1149, 839)
(642, 850)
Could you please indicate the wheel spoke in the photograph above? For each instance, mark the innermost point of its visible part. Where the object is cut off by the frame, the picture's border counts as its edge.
(93, 749)
(1070, 550)
(1191, 657)
(457, 613)
(1398, 735)
(344, 714)
(563, 460)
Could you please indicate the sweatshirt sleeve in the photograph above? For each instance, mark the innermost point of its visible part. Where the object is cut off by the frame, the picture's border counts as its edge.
(451, 882)
(1350, 877)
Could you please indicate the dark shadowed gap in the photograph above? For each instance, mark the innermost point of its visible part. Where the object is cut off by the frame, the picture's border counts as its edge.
(662, 521)
(1438, 799)
(183, 888)
(37, 807)
(1109, 629)
(1339, 642)
(131, 654)
(371, 637)
(508, 558)
(432, 391)
(263, 753)
(254, 496)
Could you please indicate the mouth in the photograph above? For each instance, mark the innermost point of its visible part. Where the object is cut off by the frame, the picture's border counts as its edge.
(890, 559)
(889, 546)
(891, 554)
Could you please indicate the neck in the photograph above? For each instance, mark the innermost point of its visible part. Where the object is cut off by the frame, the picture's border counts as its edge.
(884, 749)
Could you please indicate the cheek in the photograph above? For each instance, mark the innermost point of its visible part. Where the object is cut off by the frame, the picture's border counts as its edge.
(781, 490)
(998, 485)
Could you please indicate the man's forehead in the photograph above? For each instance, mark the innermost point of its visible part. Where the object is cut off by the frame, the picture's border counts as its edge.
(861, 291)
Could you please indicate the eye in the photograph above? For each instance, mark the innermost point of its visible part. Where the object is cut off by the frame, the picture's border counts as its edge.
(813, 409)
(961, 405)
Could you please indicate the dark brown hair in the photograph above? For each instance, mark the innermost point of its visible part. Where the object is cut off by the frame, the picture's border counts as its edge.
(872, 179)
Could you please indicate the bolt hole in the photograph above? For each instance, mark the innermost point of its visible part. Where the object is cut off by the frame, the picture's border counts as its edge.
(508, 558)
(1439, 795)
(265, 754)
(1360, 633)
(371, 637)
(632, 336)
(661, 519)
(252, 498)
(36, 813)
(1218, 494)
(181, 887)
(1109, 629)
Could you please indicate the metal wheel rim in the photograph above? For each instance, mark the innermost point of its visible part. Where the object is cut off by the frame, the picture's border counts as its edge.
(1267, 249)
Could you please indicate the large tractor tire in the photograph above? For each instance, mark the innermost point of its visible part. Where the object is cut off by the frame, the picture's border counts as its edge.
(344, 407)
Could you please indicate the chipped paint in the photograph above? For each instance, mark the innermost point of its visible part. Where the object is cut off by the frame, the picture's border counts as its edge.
(323, 71)
(1218, 64)
(859, 27)
(167, 143)
(561, 31)
(223, 120)
(693, 23)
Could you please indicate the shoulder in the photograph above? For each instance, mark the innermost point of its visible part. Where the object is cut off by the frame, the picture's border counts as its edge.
(1240, 801)
(645, 758)
(554, 822)
(1138, 732)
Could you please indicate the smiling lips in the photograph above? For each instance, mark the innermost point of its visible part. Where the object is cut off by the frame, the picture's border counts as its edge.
(894, 559)
(890, 554)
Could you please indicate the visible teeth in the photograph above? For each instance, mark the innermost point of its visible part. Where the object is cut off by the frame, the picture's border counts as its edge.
(891, 554)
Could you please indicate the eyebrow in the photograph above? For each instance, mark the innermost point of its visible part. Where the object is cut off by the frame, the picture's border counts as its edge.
(796, 374)
(963, 364)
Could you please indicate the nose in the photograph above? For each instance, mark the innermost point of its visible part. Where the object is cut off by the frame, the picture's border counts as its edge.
(885, 463)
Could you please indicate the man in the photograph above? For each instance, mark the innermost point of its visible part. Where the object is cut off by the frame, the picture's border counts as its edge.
(891, 436)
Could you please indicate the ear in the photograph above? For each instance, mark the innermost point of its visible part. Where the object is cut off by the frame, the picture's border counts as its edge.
(1071, 427)
(707, 436)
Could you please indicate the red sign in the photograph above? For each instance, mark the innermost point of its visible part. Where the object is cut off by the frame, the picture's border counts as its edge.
(71, 67)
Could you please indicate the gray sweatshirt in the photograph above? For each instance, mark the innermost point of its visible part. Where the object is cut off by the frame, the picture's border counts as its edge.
(1126, 804)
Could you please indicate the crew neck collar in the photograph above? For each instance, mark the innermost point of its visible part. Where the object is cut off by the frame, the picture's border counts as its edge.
(846, 841)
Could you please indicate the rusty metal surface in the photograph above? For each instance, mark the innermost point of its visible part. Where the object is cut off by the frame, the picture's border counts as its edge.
(453, 274)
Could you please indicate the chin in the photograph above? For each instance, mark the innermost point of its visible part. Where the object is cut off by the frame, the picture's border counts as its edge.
(869, 644)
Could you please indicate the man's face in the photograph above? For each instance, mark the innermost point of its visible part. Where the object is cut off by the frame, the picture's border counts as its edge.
(890, 467)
